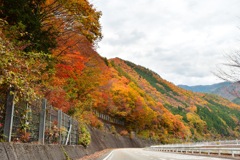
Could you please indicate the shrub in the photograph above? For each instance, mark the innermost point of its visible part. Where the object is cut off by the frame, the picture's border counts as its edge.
(113, 130)
(124, 133)
(132, 135)
(84, 137)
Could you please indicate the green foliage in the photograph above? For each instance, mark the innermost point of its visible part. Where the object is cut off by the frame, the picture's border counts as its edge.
(121, 72)
(177, 111)
(150, 77)
(196, 122)
(225, 113)
(113, 130)
(144, 134)
(84, 137)
(25, 25)
(106, 61)
(35, 25)
(23, 71)
(214, 123)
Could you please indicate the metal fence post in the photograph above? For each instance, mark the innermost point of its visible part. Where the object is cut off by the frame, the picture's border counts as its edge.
(60, 125)
(9, 117)
(69, 131)
(41, 135)
(78, 136)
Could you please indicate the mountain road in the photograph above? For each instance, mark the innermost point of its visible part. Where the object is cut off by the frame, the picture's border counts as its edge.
(141, 154)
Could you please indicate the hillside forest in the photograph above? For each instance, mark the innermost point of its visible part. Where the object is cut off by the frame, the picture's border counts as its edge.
(47, 49)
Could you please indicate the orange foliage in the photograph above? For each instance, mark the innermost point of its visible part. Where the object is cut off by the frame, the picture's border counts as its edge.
(92, 120)
(58, 99)
(70, 66)
(124, 133)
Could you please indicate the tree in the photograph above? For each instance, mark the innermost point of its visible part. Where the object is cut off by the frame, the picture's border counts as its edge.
(25, 26)
(35, 25)
(73, 17)
(26, 73)
(230, 71)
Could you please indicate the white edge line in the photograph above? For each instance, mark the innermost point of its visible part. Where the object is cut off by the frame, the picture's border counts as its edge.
(108, 156)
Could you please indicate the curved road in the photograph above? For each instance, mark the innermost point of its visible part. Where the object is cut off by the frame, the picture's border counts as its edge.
(141, 154)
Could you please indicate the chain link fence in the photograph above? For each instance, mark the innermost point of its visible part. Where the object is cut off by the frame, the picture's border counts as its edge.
(2, 113)
(37, 122)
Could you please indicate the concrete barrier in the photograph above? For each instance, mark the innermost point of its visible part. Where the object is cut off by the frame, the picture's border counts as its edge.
(100, 140)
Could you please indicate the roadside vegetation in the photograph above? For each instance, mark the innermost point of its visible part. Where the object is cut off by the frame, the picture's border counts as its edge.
(47, 49)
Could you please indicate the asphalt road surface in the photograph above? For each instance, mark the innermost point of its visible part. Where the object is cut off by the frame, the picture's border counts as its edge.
(141, 154)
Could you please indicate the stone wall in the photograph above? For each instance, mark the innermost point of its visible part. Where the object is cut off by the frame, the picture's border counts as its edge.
(100, 140)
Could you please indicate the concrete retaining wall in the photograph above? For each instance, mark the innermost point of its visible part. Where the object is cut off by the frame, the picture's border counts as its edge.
(100, 141)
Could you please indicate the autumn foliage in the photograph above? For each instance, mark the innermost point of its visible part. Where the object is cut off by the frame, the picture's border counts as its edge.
(56, 59)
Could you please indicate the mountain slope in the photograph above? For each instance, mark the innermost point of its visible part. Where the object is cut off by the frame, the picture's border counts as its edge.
(149, 105)
(152, 106)
(76, 79)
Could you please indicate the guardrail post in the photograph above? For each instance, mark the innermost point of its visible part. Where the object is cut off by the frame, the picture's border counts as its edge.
(7, 132)
(42, 122)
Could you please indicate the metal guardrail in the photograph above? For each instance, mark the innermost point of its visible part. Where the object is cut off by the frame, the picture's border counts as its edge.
(212, 143)
(108, 118)
(233, 152)
(216, 148)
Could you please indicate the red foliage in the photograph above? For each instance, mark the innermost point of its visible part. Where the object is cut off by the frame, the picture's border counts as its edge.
(71, 66)
(58, 99)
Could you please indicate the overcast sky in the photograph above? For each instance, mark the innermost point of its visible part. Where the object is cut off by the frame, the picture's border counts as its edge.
(181, 40)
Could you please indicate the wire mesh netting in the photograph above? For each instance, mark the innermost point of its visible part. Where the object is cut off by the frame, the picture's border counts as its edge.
(31, 121)
(25, 126)
(2, 113)
(69, 130)
(75, 133)
(51, 126)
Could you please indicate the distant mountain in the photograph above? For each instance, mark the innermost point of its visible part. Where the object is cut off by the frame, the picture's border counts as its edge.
(226, 90)
(205, 88)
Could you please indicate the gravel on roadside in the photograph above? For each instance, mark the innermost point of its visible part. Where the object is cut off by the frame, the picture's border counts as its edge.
(95, 155)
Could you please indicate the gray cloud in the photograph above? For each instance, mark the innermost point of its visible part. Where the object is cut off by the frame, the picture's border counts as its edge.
(120, 39)
(181, 40)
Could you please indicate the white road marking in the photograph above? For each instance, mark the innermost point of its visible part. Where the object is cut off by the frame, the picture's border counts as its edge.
(108, 156)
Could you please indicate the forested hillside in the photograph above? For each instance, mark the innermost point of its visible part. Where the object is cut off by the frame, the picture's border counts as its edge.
(168, 111)
(49, 52)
